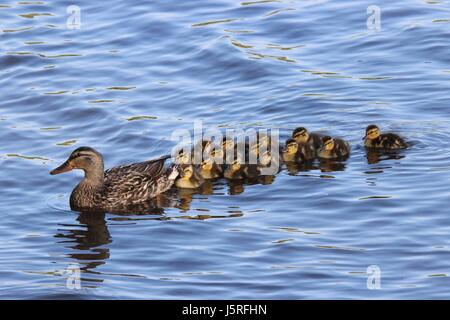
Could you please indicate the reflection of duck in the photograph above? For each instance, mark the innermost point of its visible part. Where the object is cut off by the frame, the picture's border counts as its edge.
(301, 135)
(327, 165)
(375, 139)
(376, 155)
(235, 187)
(298, 152)
(334, 148)
(118, 186)
(294, 167)
(189, 177)
(90, 241)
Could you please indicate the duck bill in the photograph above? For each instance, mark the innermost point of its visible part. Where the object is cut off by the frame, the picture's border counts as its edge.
(66, 166)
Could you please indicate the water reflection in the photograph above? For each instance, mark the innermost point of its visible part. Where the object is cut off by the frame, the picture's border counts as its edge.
(375, 155)
(327, 165)
(88, 242)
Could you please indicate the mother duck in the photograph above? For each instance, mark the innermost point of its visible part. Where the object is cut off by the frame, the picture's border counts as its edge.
(117, 187)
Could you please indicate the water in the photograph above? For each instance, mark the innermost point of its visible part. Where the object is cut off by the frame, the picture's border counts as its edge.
(134, 73)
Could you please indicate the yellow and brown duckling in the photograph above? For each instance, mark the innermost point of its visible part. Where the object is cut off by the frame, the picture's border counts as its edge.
(117, 187)
(209, 169)
(239, 170)
(375, 139)
(298, 151)
(189, 177)
(302, 135)
(334, 149)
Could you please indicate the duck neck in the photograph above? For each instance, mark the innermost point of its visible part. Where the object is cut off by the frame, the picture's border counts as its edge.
(94, 176)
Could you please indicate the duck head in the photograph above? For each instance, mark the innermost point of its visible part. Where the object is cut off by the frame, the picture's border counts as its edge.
(83, 158)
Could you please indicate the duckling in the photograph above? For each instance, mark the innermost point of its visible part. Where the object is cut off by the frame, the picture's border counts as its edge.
(209, 169)
(334, 148)
(189, 177)
(375, 139)
(117, 187)
(238, 170)
(234, 171)
(301, 135)
(298, 151)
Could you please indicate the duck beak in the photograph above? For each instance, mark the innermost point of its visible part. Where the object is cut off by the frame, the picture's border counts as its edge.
(66, 166)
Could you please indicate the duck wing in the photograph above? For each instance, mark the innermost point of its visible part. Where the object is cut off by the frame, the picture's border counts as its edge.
(151, 167)
(130, 187)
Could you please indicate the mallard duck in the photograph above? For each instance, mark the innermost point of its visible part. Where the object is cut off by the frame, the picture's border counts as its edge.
(119, 186)
(298, 151)
(336, 149)
(375, 139)
(189, 177)
(301, 135)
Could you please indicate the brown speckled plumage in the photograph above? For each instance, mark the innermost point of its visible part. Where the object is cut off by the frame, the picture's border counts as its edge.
(119, 186)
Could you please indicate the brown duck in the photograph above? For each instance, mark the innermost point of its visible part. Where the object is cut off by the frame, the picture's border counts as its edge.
(117, 187)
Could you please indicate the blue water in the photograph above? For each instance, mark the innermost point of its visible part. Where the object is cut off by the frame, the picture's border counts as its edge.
(134, 73)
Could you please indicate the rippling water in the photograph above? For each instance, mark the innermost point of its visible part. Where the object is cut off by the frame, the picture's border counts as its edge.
(133, 74)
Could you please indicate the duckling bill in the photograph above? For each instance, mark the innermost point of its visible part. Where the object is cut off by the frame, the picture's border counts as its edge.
(375, 139)
(117, 187)
(334, 148)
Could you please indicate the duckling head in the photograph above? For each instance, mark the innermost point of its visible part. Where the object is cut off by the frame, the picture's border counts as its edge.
(84, 158)
(291, 146)
(300, 134)
(328, 143)
(207, 164)
(372, 132)
(186, 172)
